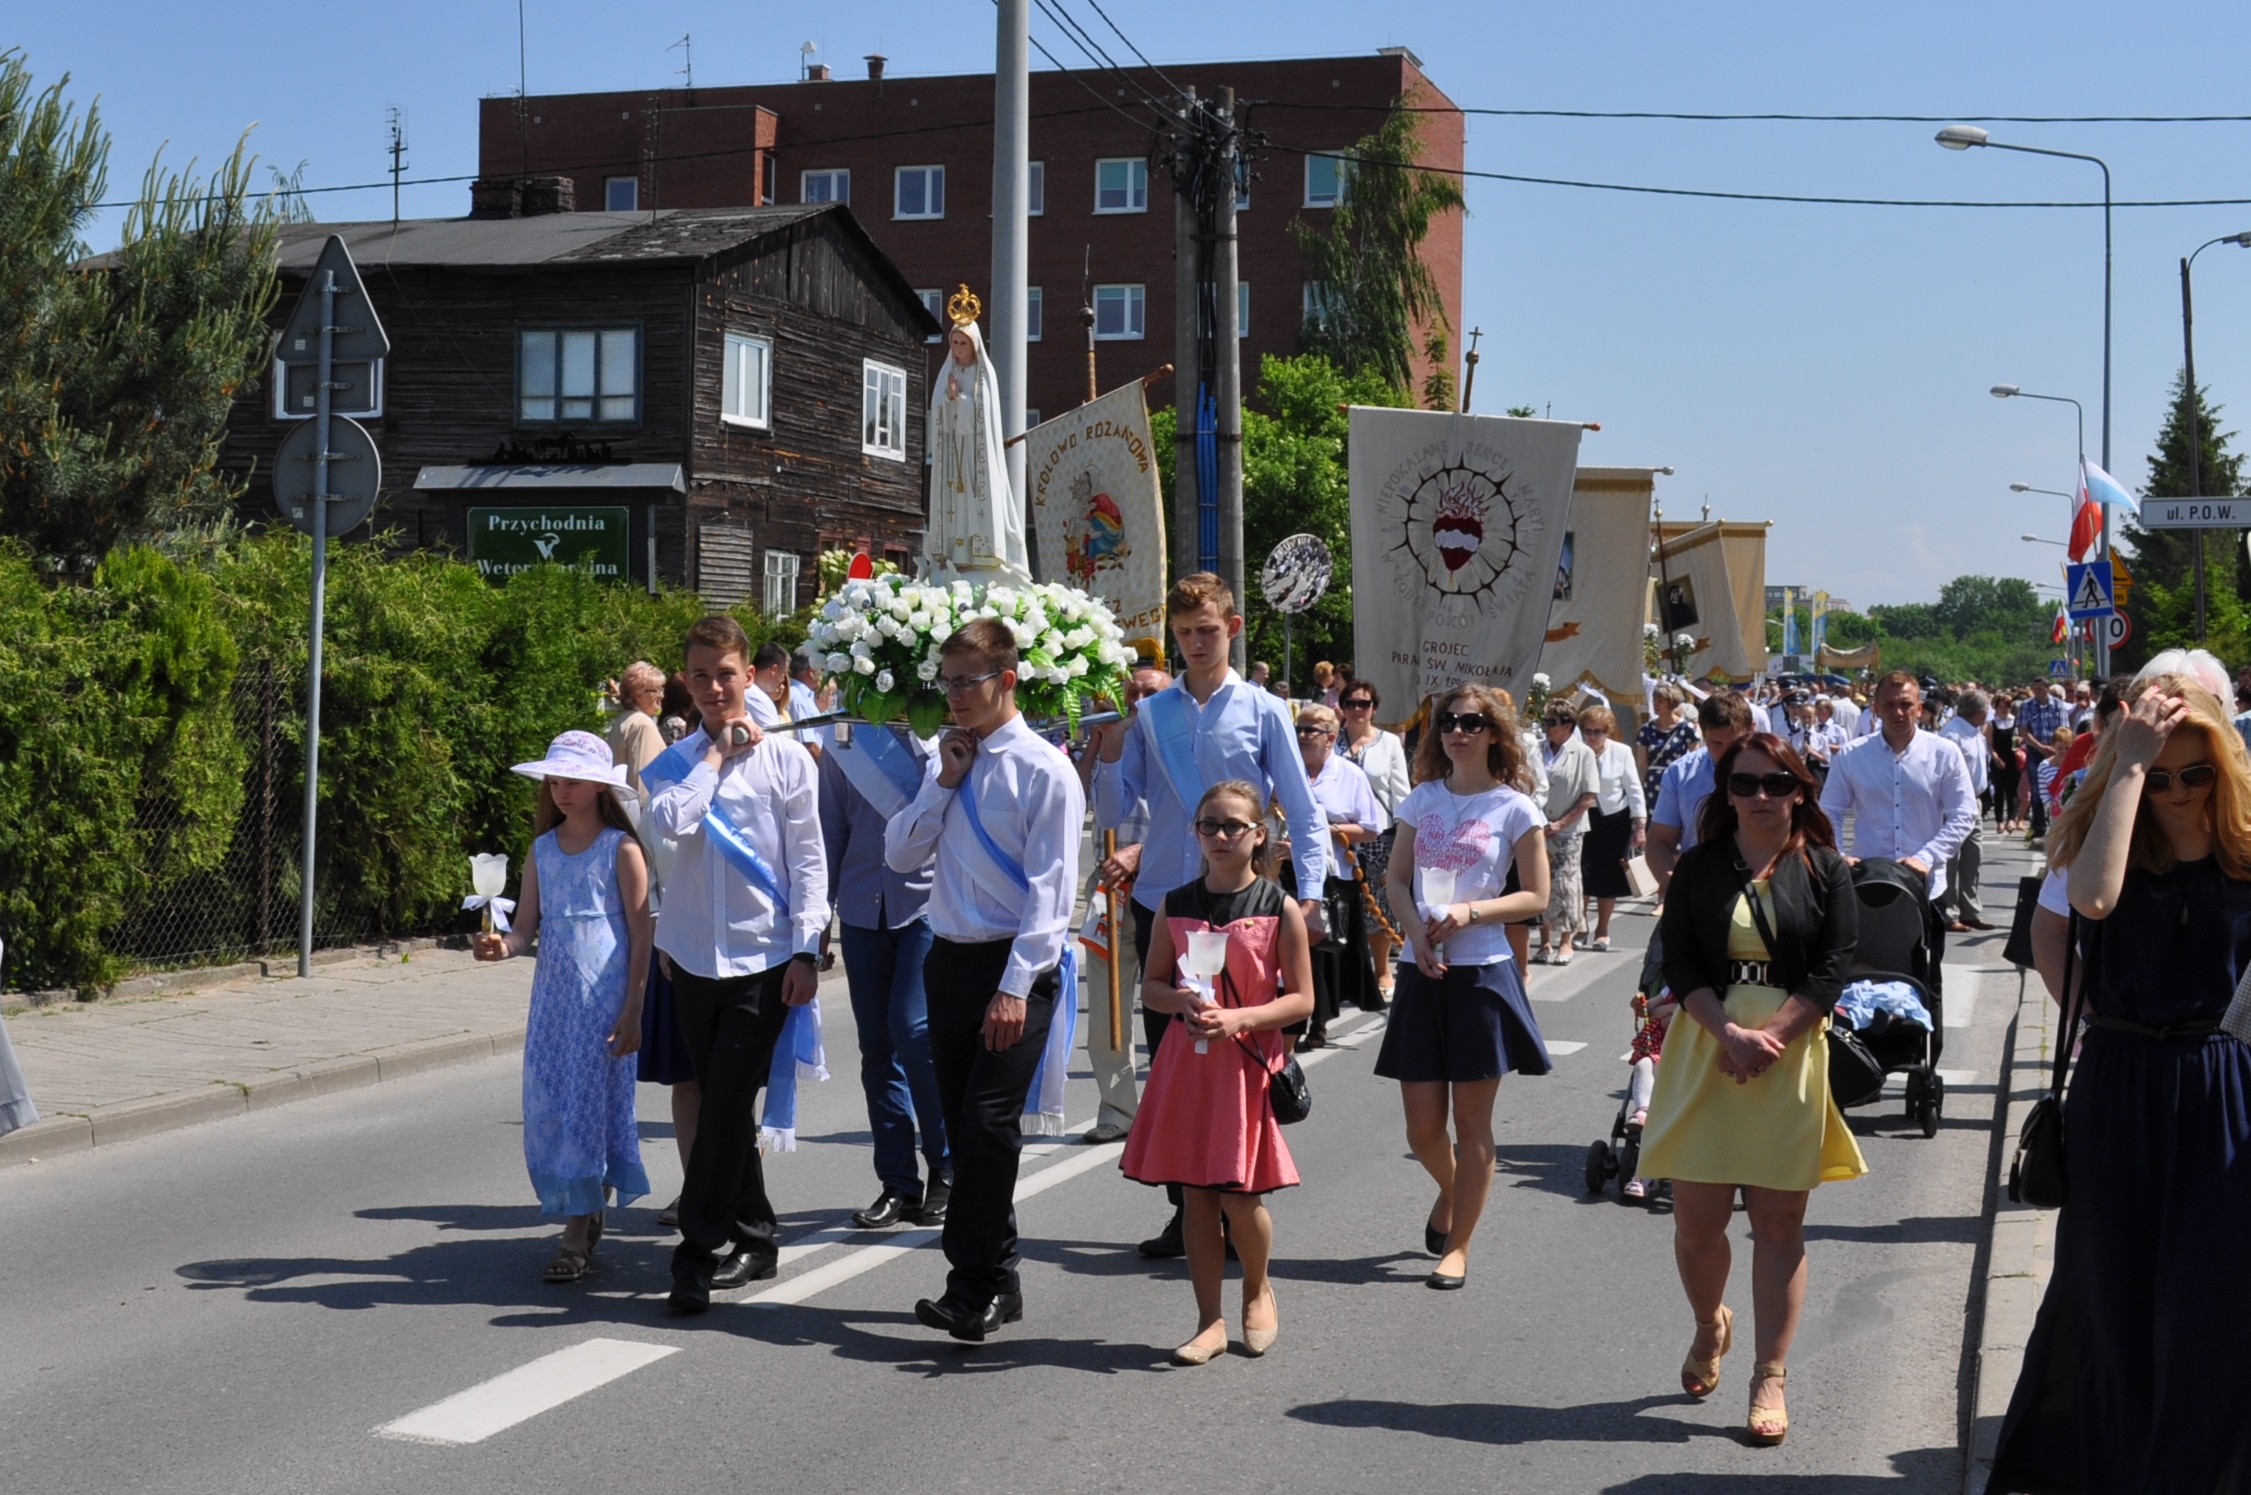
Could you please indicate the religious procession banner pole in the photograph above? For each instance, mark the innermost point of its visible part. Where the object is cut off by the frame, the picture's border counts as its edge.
(1117, 956)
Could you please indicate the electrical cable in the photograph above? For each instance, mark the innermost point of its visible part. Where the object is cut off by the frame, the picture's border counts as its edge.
(1145, 62)
(1812, 119)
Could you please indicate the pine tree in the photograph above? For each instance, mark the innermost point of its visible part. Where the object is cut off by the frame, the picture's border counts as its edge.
(2161, 557)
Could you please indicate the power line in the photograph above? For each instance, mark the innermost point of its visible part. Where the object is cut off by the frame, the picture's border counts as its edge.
(1094, 52)
(1810, 119)
(1145, 62)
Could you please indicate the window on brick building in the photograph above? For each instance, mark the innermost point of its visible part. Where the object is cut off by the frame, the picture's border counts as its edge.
(1031, 417)
(934, 302)
(883, 410)
(1316, 309)
(833, 185)
(1242, 185)
(1118, 313)
(1035, 312)
(1121, 185)
(1242, 308)
(621, 194)
(578, 374)
(918, 192)
(746, 392)
(1326, 181)
(1035, 199)
(781, 583)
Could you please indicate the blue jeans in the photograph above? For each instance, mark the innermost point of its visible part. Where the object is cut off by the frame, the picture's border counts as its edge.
(883, 968)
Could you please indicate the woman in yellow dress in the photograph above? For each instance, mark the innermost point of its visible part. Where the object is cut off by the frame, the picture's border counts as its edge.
(1758, 931)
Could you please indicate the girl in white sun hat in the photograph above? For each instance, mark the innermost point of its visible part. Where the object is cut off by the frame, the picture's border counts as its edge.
(588, 883)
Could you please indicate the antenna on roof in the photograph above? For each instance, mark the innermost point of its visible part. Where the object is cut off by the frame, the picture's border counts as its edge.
(805, 61)
(687, 47)
(523, 91)
(397, 149)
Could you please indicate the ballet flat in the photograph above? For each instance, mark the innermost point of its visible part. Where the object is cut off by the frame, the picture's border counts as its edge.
(1700, 1378)
(1192, 1353)
(1258, 1341)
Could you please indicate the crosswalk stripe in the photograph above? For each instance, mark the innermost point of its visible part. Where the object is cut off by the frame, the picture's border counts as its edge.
(1557, 1047)
(496, 1405)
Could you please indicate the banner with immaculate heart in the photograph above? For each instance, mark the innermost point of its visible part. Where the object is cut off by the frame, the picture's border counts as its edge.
(1096, 501)
(1458, 524)
(1601, 587)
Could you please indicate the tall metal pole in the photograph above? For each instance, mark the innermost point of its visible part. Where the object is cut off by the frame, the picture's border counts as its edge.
(1229, 364)
(321, 401)
(1012, 172)
(2195, 438)
(1186, 493)
(2102, 629)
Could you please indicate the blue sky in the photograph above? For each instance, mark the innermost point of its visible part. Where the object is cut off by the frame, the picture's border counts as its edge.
(1823, 367)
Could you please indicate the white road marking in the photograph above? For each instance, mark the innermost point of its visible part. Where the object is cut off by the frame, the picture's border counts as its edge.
(1563, 1046)
(1958, 1076)
(1962, 983)
(546, 1383)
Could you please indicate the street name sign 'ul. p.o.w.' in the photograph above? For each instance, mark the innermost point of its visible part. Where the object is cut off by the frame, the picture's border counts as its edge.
(2196, 513)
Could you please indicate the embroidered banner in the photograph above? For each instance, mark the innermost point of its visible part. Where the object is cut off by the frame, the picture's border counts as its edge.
(1099, 509)
(1601, 594)
(1458, 524)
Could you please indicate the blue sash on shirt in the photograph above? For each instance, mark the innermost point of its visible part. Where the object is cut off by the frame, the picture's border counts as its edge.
(881, 767)
(1172, 727)
(674, 764)
(1043, 1104)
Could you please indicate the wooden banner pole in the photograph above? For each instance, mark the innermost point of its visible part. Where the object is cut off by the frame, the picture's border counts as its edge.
(1117, 954)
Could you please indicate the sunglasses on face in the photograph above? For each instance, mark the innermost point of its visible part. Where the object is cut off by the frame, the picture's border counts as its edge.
(1462, 721)
(2195, 776)
(1748, 785)
(1224, 830)
(1309, 730)
(1360, 705)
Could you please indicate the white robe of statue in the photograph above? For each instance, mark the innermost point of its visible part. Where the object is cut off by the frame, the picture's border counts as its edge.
(976, 530)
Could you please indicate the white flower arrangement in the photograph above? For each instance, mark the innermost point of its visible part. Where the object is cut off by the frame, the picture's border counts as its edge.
(1685, 642)
(880, 637)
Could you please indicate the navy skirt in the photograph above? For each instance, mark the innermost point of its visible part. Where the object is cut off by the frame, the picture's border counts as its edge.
(1473, 1023)
(664, 1048)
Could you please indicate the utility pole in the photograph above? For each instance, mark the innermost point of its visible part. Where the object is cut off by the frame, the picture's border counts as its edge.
(1187, 359)
(397, 149)
(2195, 441)
(1012, 173)
(1228, 358)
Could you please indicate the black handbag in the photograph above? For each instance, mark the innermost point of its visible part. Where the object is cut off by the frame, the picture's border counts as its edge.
(2036, 1173)
(1856, 1075)
(1290, 1098)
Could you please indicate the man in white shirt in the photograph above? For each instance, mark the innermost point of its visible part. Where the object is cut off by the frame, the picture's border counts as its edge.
(1963, 907)
(1908, 792)
(745, 902)
(1003, 812)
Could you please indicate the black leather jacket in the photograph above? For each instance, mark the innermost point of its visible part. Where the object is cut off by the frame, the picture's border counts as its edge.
(1816, 921)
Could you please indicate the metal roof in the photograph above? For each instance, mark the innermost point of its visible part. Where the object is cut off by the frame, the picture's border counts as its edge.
(550, 477)
(662, 235)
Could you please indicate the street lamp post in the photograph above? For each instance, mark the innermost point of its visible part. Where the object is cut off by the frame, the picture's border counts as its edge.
(2071, 630)
(1962, 138)
(2195, 437)
(2012, 392)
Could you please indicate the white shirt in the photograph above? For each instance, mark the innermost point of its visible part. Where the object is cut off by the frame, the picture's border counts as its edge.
(1915, 803)
(1346, 797)
(1620, 785)
(716, 923)
(1030, 803)
(1975, 752)
(1475, 835)
(1845, 712)
(1384, 760)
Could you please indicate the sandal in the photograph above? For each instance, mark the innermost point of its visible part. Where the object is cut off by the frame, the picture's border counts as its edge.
(1700, 1378)
(1767, 1425)
(1601, 944)
(570, 1265)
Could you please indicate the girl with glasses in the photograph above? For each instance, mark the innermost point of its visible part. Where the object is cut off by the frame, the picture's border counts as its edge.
(2134, 1377)
(1204, 1123)
(1460, 1019)
(1758, 932)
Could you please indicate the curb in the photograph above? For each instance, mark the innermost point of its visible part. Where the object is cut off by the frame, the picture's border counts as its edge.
(58, 1136)
(196, 978)
(2020, 1247)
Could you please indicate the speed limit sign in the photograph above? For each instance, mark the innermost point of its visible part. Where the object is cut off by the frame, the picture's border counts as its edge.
(2117, 628)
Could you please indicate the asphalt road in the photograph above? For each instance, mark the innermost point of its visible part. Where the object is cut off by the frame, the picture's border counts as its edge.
(267, 1304)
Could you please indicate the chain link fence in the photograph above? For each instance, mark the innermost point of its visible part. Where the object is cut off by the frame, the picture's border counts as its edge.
(243, 904)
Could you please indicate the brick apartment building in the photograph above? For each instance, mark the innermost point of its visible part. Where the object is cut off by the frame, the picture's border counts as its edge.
(913, 158)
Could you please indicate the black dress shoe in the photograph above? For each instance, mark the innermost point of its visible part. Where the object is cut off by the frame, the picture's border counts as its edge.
(1446, 1282)
(741, 1269)
(1434, 1239)
(890, 1208)
(691, 1294)
(970, 1324)
(1166, 1243)
(935, 1196)
(1107, 1131)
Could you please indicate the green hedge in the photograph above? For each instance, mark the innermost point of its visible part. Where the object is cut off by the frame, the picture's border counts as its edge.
(122, 764)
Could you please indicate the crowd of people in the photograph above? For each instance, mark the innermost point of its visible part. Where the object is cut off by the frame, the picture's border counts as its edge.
(1343, 864)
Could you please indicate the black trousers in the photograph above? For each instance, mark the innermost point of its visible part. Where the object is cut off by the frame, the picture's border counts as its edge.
(1153, 1023)
(731, 1025)
(983, 1094)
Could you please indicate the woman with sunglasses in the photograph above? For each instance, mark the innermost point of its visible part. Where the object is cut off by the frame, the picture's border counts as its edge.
(1460, 1019)
(1341, 972)
(1383, 758)
(2135, 1376)
(1758, 932)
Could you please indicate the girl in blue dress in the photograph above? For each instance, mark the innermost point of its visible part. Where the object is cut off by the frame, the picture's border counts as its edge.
(585, 898)
(2135, 1380)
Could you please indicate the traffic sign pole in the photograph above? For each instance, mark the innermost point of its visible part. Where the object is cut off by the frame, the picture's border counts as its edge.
(319, 500)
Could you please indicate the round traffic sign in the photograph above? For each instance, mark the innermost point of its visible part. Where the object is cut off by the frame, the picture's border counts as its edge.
(1296, 573)
(2117, 628)
(355, 474)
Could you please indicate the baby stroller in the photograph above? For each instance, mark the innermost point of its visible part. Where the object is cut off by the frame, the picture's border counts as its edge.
(1619, 1157)
(1895, 945)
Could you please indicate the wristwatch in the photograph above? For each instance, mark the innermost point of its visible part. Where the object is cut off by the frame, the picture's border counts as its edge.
(1472, 911)
(808, 957)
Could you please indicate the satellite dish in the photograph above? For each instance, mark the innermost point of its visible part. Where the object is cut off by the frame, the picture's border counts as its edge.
(1296, 573)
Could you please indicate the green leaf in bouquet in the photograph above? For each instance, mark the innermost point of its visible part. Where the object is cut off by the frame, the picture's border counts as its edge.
(926, 712)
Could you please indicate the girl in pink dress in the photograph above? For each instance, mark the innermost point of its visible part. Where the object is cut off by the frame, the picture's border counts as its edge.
(1204, 1122)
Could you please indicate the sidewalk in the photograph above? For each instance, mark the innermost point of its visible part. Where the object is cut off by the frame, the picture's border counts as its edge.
(108, 1071)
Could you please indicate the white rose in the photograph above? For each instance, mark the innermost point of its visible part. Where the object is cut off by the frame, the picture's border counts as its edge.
(862, 665)
(883, 681)
(900, 607)
(1077, 667)
(926, 671)
(838, 663)
(862, 650)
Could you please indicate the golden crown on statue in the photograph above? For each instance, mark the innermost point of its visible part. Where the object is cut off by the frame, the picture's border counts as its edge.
(963, 307)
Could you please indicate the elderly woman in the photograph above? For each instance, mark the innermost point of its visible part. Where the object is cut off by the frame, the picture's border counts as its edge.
(1620, 821)
(634, 738)
(1573, 784)
(1759, 930)
(1669, 733)
(2134, 1377)
(1383, 758)
(1341, 971)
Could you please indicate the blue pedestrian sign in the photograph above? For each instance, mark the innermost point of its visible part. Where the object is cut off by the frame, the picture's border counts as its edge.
(2089, 592)
(2059, 669)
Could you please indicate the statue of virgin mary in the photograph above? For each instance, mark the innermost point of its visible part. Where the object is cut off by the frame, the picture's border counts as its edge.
(976, 529)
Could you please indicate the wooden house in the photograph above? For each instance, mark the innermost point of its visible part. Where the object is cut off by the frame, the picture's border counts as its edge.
(700, 396)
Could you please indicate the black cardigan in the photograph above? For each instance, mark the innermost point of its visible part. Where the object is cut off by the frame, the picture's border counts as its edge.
(1816, 921)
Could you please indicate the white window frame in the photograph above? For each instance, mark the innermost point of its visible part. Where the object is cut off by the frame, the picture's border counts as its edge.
(778, 597)
(1136, 189)
(758, 413)
(1343, 179)
(1134, 299)
(1035, 195)
(603, 337)
(632, 186)
(933, 302)
(884, 385)
(837, 176)
(341, 405)
(1035, 313)
(930, 174)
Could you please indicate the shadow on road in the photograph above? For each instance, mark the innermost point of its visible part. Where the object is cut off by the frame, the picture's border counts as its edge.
(921, 1351)
(1500, 1425)
(1923, 1229)
(1932, 1469)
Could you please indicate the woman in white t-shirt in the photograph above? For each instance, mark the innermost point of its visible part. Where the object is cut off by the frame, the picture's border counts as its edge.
(1460, 1019)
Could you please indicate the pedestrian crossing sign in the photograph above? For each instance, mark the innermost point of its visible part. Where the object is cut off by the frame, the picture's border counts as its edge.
(2089, 589)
